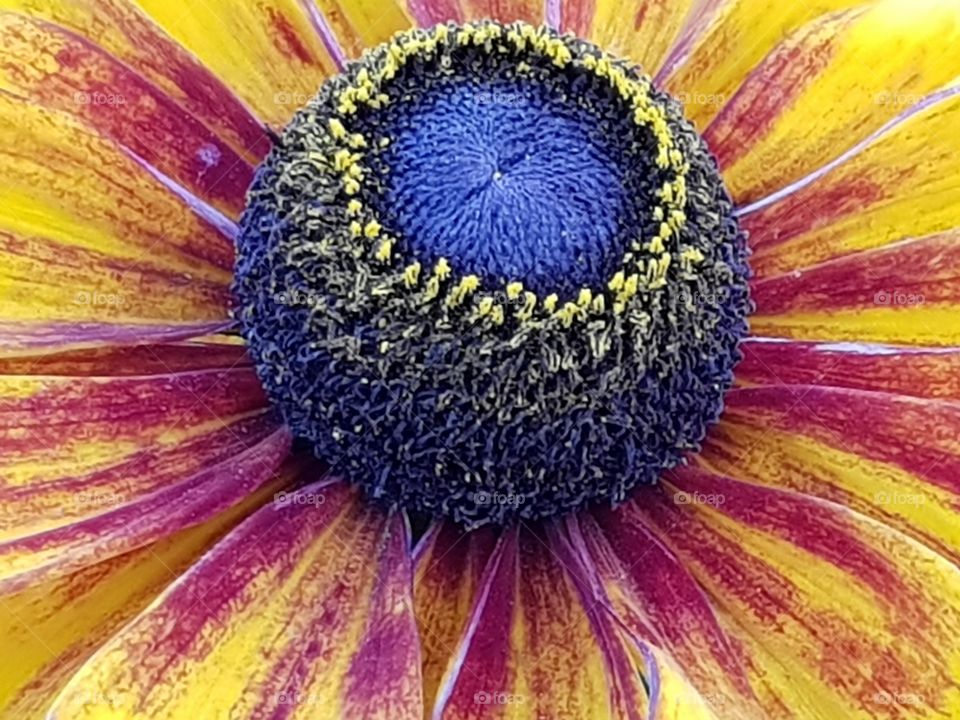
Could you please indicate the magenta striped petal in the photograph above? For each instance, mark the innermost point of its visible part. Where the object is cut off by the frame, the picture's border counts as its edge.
(303, 611)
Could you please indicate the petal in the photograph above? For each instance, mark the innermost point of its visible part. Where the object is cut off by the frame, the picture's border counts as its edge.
(120, 29)
(894, 458)
(661, 604)
(58, 624)
(58, 69)
(267, 51)
(303, 611)
(361, 24)
(671, 695)
(202, 354)
(724, 40)
(449, 568)
(869, 296)
(900, 184)
(105, 250)
(843, 617)
(641, 30)
(830, 85)
(431, 12)
(95, 466)
(533, 648)
(919, 372)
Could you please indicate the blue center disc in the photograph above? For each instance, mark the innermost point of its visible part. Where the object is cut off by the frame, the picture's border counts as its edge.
(507, 181)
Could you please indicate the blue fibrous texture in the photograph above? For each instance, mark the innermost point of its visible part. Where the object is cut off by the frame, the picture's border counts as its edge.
(503, 179)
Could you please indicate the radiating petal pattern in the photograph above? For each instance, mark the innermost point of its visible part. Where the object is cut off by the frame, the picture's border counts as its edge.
(90, 241)
(266, 51)
(662, 605)
(843, 617)
(56, 625)
(431, 12)
(724, 40)
(892, 457)
(449, 568)
(97, 465)
(120, 29)
(55, 68)
(830, 85)
(303, 611)
(641, 30)
(918, 372)
(533, 649)
(905, 293)
(902, 184)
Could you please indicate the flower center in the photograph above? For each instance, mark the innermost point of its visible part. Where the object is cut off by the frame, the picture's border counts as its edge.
(491, 273)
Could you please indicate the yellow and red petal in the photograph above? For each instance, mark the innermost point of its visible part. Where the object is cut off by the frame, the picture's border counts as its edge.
(533, 647)
(120, 29)
(449, 565)
(91, 241)
(829, 86)
(906, 293)
(673, 697)
(918, 372)
(724, 40)
(97, 465)
(303, 611)
(892, 457)
(267, 52)
(58, 624)
(360, 24)
(841, 616)
(661, 604)
(899, 184)
(431, 12)
(55, 68)
(641, 30)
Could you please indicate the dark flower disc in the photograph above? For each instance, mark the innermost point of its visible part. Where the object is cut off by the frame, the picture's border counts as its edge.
(489, 272)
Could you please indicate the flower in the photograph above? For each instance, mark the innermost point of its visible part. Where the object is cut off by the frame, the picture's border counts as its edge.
(492, 278)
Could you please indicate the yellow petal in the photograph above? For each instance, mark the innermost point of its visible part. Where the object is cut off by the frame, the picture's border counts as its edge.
(361, 24)
(89, 236)
(302, 611)
(641, 30)
(724, 41)
(56, 625)
(828, 87)
(902, 184)
(118, 28)
(267, 51)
